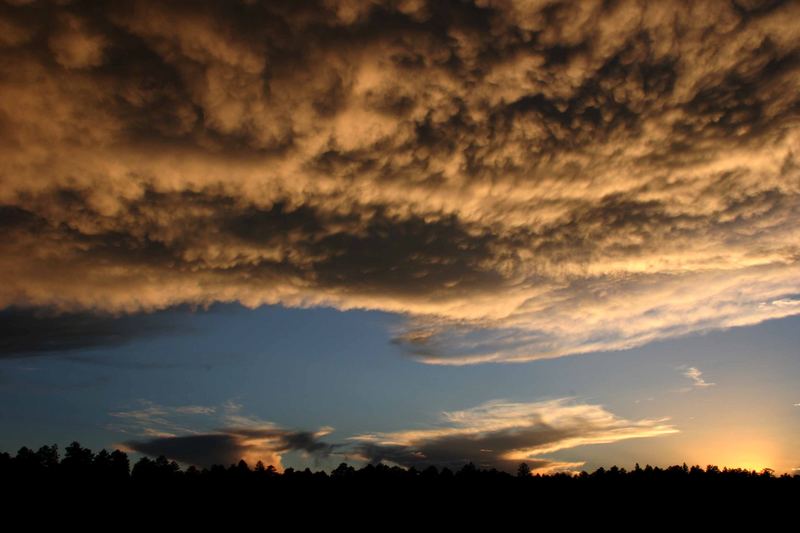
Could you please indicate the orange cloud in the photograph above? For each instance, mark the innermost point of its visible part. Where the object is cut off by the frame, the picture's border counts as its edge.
(522, 180)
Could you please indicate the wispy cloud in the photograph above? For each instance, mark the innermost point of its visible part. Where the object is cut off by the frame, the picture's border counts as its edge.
(694, 374)
(502, 434)
(524, 180)
(152, 419)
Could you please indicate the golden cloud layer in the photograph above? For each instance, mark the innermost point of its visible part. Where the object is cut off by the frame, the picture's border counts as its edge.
(522, 179)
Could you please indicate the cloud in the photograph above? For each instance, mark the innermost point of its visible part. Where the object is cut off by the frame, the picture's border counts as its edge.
(203, 450)
(522, 180)
(208, 435)
(158, 420)
(228, 447)
(27, 333)
(696, 376)
(497, 434)
(501, 434)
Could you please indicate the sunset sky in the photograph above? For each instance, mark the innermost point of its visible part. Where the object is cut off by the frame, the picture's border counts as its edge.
(418, 232)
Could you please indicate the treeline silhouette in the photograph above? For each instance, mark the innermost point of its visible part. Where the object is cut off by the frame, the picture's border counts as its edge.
(80, 485)
(80, 465)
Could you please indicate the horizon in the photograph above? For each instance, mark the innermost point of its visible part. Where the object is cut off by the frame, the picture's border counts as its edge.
(145, 461)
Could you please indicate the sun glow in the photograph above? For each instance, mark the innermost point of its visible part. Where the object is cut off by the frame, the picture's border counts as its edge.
(749, 454)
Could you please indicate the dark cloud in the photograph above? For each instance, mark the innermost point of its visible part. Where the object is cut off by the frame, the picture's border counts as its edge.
(502, 434)
(25, 333)
(202, 450)
(497, 434)
(228, 448)
(174, 433)
(559, 177)
(304, 441)
(452, 453)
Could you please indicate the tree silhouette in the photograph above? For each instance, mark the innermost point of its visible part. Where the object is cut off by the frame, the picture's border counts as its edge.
(77, 460)
(81, 471)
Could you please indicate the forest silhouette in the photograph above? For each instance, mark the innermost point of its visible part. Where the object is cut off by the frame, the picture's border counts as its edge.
(112, 472)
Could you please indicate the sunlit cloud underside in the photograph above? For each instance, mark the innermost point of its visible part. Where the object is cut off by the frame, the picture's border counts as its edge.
(522, 180)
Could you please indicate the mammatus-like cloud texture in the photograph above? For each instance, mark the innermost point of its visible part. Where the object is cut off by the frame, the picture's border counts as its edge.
(524, 180)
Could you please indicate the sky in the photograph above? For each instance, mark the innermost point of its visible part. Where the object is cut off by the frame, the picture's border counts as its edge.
(309, 232)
